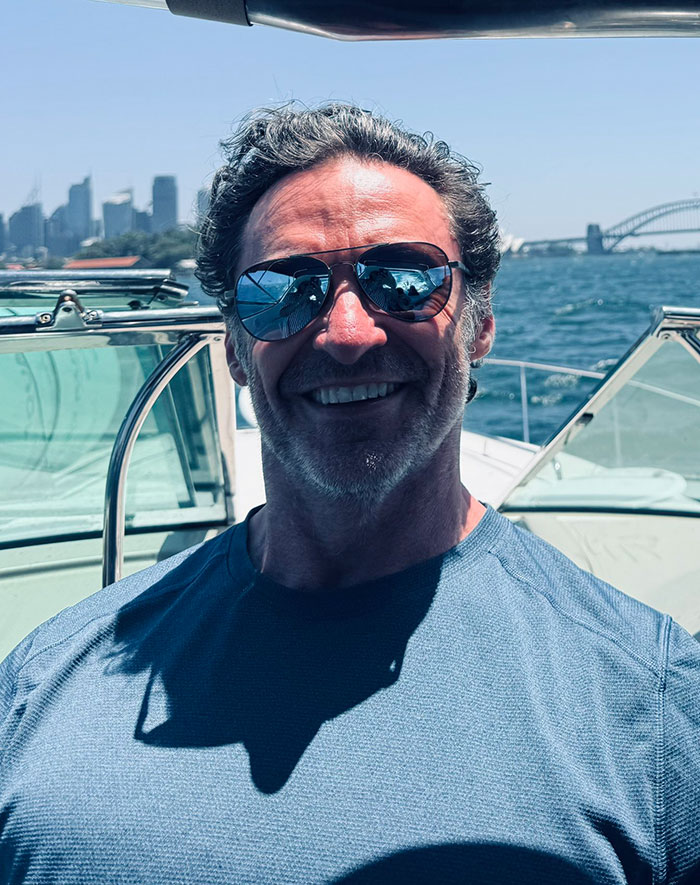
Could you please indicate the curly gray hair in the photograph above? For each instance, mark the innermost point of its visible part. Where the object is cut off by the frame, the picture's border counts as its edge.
(273, 142)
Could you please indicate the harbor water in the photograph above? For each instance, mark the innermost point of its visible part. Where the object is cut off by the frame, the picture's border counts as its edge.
(581, 311)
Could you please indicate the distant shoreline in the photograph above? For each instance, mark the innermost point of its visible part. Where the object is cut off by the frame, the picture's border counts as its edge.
(573, 254)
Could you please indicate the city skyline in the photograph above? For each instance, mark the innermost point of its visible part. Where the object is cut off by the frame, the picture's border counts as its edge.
(188, 214)
(568, 132)
(71, 226)
(75, 222)
(34, 195)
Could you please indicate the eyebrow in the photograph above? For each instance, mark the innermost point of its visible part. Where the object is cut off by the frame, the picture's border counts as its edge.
(361, 247)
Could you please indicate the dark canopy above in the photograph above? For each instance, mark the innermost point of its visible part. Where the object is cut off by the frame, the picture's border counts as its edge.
(415, 19)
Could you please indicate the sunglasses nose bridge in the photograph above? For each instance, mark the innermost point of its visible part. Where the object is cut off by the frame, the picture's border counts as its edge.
(338, 264)
(344, 284)
(350, 276)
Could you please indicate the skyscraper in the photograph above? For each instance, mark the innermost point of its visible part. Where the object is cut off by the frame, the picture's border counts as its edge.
(60, 239)
(141, 220)
(117, 214)
(79, 209)
(27, 228)
(164, 203)
(3, 239)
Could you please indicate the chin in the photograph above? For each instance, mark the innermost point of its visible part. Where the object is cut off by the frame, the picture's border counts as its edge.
(367, 480)
(358, 472)
(353, 464)
(362, 475)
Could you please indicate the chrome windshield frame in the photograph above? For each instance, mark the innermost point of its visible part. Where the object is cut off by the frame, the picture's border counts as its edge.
(677, 323)
(187, 330)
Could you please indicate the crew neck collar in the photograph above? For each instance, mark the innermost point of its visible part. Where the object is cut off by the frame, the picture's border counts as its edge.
(359, 597)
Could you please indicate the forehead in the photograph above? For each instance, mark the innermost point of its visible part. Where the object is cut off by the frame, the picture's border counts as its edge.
(344, 202)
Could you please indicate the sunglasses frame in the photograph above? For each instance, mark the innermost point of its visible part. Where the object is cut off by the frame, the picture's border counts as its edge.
(231, 295)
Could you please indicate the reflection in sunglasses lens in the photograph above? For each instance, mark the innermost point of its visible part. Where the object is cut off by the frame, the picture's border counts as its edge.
(276, 299)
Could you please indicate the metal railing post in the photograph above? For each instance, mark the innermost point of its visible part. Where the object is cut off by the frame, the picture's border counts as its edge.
(523, 405)
(113, 542)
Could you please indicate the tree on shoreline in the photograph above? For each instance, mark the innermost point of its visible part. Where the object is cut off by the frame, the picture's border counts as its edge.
(157, 250)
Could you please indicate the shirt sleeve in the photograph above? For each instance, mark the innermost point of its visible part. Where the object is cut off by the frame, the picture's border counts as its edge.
(680, 761)
(9, 676)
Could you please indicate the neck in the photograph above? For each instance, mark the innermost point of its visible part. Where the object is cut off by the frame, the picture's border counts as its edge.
(302, 539)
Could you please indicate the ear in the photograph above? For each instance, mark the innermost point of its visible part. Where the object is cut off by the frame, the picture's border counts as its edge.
(484, 339)
(234, 367)
(485, 335)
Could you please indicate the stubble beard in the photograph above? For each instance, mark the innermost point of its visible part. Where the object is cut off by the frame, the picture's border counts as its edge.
(351, 463)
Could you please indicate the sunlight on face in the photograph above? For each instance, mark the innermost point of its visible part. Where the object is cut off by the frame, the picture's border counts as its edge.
(364, 448)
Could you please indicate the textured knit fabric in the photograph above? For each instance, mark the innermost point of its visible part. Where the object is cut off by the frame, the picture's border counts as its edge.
(491, 715)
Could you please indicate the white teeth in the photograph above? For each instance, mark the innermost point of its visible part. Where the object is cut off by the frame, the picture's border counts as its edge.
(331, 395)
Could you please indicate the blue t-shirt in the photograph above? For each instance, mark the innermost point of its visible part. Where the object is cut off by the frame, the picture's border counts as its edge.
(492, 715)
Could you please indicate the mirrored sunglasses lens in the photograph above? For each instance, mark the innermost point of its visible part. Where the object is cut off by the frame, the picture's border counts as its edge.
(276, 299)
(412, 281)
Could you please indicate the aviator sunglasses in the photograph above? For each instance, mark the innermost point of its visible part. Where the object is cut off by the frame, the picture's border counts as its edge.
(410, 281)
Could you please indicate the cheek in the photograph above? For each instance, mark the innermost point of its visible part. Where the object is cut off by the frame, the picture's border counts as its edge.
(436, 341)
(270, 359)
(450, 318)
(459, 329)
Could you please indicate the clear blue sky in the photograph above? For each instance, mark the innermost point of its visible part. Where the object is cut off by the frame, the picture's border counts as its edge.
(567, 131)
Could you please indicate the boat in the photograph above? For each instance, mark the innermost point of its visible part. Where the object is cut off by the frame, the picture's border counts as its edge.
(124, 441)
(119, 444)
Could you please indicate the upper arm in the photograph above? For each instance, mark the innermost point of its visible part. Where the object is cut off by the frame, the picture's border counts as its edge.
(680, 760)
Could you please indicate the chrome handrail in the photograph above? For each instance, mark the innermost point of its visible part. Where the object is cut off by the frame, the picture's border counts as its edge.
(546, 367)
(523, 365)
(115, 486)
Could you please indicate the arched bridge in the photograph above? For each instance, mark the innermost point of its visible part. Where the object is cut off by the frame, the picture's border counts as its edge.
(680, 217)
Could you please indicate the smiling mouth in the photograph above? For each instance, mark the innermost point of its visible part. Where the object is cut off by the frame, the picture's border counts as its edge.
(330, 396)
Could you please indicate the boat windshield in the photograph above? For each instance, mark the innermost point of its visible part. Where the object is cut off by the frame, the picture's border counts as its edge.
(61, 411)
(23, 294)
(639, 451)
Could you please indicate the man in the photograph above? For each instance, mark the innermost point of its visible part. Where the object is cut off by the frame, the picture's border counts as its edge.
(375, 678)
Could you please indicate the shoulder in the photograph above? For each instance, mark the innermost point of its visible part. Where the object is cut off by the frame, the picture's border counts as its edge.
(593, 606)
(80, 625)
(164, 577)
(603, 618)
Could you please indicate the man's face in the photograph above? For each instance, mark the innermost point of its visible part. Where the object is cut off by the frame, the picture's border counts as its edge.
(362, 448)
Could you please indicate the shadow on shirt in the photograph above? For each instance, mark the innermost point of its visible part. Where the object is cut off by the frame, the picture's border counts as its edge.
(468, 864)
(265, 668)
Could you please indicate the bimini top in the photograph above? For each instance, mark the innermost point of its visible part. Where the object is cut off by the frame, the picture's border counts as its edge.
(416, 19)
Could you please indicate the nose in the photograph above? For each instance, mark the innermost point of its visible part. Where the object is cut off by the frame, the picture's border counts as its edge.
(350, 329)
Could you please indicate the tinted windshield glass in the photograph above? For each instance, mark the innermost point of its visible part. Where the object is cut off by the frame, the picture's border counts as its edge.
(640, 451)
(61, 412)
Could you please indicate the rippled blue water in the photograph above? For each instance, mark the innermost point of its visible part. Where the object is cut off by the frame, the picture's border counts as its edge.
(581, 311)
